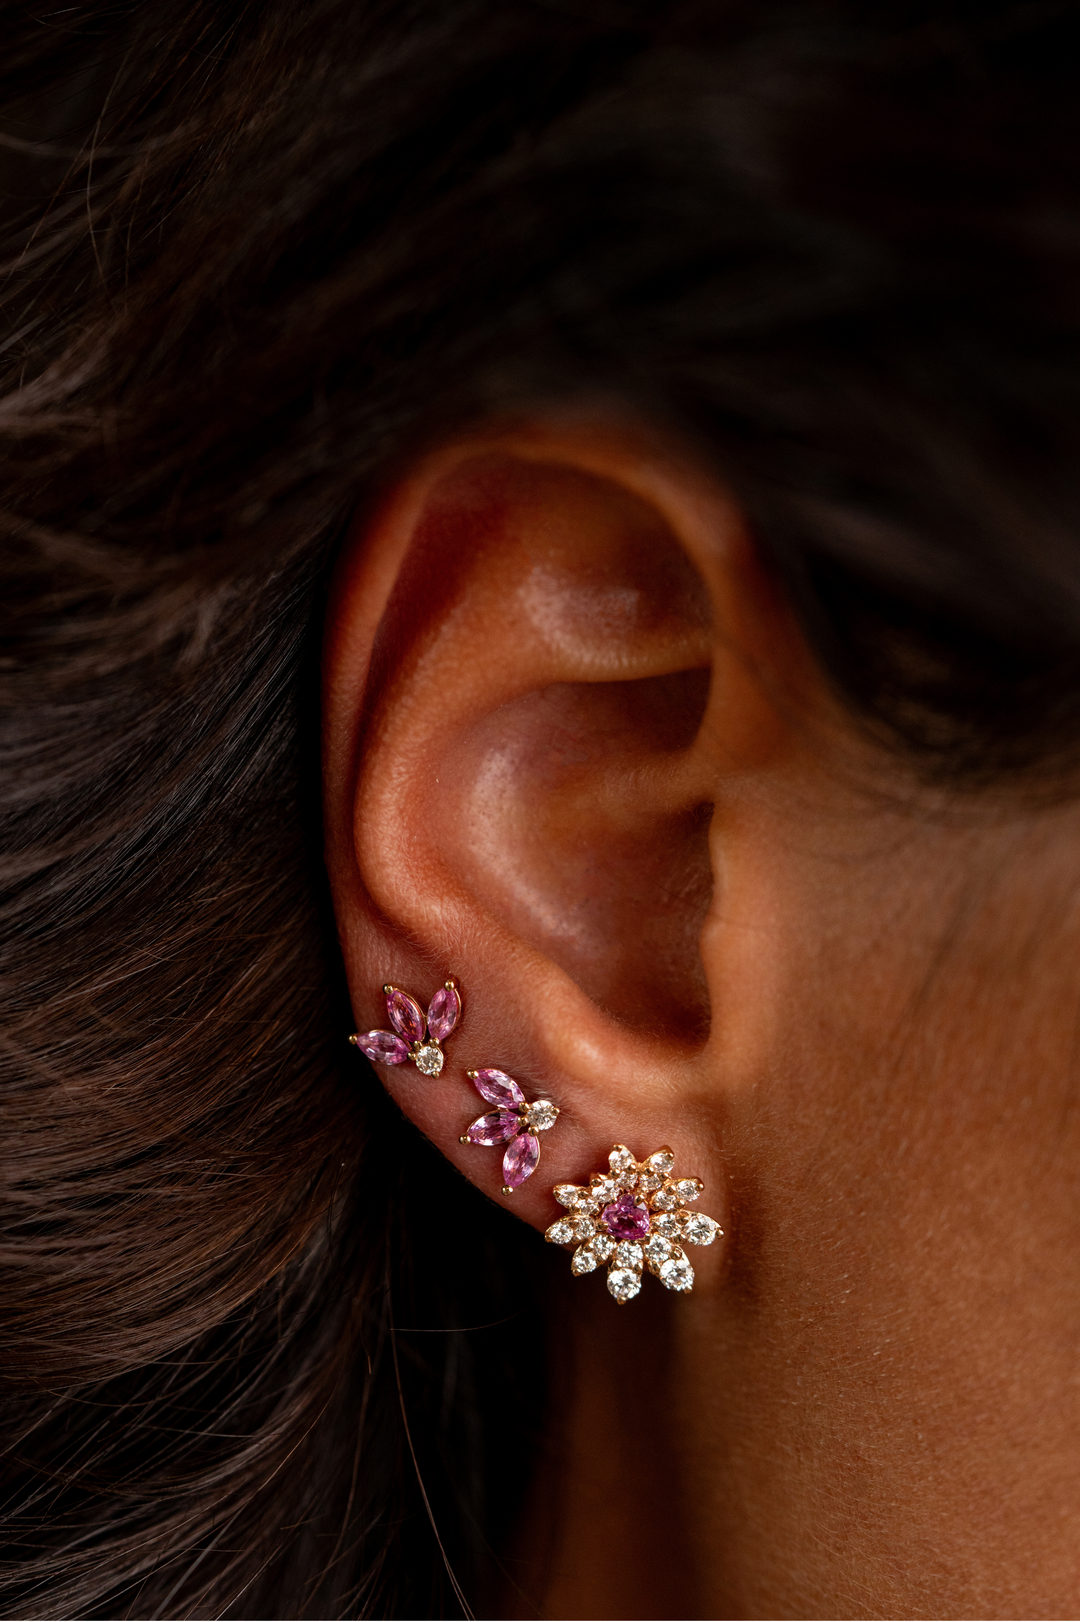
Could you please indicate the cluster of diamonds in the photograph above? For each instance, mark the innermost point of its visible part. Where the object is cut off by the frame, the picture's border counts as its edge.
(631, 1217)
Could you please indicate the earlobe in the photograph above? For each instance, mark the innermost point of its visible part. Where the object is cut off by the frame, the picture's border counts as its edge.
(520, 775)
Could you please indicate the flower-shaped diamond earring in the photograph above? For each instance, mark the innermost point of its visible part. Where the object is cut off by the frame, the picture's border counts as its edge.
(633, 1216)
(418, 1035)
(514, 1123)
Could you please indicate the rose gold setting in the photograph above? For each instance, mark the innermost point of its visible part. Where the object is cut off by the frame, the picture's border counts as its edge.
(514, 1122)
(631, 1217)
(416, 1035)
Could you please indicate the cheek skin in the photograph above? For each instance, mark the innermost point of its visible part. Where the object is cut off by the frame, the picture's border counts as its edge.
(900, 1329)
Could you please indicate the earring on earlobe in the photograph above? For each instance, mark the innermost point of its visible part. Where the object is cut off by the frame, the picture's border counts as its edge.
(515, 1123)
(418, 1035)
(632, 1216)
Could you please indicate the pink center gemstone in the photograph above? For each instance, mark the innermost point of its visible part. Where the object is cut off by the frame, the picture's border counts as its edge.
(626, 1218)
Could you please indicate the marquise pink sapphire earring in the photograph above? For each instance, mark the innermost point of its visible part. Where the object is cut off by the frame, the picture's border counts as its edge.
(515, 1123)
(416, 1035)
(632, 1216)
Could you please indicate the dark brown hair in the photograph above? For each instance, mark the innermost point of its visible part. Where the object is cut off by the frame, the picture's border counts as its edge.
(257, 254)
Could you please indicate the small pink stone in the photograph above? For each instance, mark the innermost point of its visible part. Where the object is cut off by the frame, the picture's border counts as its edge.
(498, 1088)
(444, 1013)
(626, 1218)
(406, 1015)
(494, 1128)
(383, 1047)
(520, 1159)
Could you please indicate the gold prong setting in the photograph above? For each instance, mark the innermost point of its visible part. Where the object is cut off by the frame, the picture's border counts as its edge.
(631, 1218)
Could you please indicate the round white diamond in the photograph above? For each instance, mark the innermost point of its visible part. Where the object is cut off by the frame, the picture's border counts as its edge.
(661, 1162)
(657, 1249)
(666, 1223)
(560, 1232)
(623, 1283)
(584, 1227)
(700, 1229)
(542, 1114)
(582, 1261)
(648, 1181)
(688, 1188)
(663, 1200)
(602, 1247)
(677, 1274)
(604, 1189)
(628, 1180)
(428, 1059)
(628, 1255)
(620, 1159)
(569, 1194)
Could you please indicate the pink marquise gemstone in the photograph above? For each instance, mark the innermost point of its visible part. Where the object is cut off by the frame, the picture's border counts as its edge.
(406, 1015)
(494, 1128)
(383, 1047)
(498, 1088)
(443, 1014)
(626, 1218)
(520, 1159)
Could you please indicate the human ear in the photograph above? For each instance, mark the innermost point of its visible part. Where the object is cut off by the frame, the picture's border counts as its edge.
(542, 667)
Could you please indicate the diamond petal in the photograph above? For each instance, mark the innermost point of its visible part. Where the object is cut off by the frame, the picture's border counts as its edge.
(621, 1160)
(520, 1159)
(700, 1229)
(497, 1087)
(570, 1194)
(623, 1283)
(657, 1250)
(688, 1188)
(676, 1273)
(406, 1015)
(494, 1128)
(661, 1161)
(560, 1232)
(582, 1261)
(443, 1013)
(382, 1046)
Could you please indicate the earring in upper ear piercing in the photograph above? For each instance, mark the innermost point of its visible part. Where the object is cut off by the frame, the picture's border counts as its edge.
(514, 1123)
(416, 1035)
(632, 1216)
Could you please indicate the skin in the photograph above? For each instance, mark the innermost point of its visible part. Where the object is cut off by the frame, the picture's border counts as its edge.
(578, 755)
